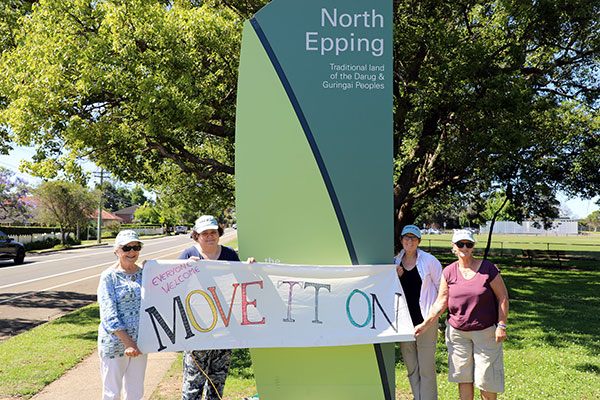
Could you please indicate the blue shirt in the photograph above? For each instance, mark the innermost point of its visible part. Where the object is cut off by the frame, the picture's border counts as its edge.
(227, 254)
(119, 298)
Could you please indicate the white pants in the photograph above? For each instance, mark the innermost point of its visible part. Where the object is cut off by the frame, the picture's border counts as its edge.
(419, 357)
(123, 372)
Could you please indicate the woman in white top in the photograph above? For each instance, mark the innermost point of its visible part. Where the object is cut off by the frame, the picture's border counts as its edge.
(419, 273)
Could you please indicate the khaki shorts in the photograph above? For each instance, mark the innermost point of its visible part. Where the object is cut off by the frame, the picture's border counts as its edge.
(474, 356)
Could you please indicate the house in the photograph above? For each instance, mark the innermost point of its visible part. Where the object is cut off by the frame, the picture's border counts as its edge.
(107, 218)
(126, 214)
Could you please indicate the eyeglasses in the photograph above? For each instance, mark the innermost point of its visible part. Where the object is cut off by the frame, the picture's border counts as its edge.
(209, 233)
(413, 238)
(135, 247)
(460, 245)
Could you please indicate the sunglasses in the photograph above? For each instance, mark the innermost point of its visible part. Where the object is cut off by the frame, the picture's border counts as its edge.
(136, 247)
(460, 245)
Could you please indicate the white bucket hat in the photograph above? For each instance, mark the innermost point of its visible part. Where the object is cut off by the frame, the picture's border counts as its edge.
(462, 234)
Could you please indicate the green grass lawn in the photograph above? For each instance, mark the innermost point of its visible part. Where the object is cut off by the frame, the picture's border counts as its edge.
(33, 359)
(553, 345)
(552, 350)
(586, 247)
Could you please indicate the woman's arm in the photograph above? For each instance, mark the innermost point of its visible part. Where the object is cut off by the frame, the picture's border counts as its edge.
(440, 305)
(501, 293)
(131, 348)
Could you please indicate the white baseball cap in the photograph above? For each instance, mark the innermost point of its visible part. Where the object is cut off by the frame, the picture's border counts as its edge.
(462, 234)
(205, 223)
(126, 236)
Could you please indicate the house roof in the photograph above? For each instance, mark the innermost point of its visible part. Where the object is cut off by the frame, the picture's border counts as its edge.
(127, 210)
(105, 215)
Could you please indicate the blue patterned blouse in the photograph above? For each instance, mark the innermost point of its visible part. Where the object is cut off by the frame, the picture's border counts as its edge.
(119, 298)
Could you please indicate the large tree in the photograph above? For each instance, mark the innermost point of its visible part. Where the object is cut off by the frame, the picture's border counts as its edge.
(489, 96)
(64, 204)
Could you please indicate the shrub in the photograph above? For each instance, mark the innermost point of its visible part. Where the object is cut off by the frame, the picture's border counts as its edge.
(42, 244)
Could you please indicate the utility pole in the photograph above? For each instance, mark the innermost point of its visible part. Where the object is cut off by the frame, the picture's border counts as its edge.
(99, 230)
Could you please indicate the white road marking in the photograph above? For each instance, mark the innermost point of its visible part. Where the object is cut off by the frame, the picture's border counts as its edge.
(69, 283)
(78, 270)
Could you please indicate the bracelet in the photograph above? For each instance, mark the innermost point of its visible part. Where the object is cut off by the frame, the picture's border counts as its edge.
(501, 326)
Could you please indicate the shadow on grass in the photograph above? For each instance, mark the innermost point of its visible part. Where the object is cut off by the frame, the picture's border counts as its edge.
(14, 322)
(558, 303)
(587, 367)
(550, 306)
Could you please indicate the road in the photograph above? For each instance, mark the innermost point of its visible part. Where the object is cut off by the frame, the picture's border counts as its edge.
(47, 286)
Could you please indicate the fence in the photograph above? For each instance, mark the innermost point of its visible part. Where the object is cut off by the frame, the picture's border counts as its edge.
(512, 247)
(34, 237)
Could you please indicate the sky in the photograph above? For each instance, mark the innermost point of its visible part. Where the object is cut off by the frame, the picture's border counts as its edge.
(580, 208)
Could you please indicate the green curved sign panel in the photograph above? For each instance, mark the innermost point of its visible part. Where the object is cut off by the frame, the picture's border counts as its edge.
(314, 169)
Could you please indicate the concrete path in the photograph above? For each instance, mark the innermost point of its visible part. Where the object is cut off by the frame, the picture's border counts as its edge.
(83, 380)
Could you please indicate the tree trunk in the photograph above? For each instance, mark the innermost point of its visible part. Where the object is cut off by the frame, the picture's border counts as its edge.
(403, 217)
(489, 241)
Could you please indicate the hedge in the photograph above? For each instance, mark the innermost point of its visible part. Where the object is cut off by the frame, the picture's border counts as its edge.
(27, 230)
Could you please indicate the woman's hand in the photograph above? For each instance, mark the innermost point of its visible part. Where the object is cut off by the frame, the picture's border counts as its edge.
(399, 270)
(419, 329)
(133, 351)
(194, 258)
(500, 335)
(250, 260)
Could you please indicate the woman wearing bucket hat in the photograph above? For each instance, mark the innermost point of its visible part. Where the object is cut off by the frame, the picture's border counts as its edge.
(419, 274)
(122, 364)
(477, 301)
(215, 363)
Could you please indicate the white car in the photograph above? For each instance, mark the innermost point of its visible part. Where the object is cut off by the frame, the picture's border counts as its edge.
(180, 229)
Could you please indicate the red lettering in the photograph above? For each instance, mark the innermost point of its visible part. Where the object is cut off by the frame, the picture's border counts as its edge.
(218, 302)
(246, 303)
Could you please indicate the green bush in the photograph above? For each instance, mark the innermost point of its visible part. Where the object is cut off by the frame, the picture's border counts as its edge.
(113, 228)
(71, 241)
(42, 244)
(27, 230)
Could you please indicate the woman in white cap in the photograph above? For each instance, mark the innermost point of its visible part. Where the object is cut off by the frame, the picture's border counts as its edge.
(122, 364)
(419, 274)
(215, 363)
(477, 301)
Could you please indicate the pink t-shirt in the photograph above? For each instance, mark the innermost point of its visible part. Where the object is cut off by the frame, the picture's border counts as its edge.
(472, 304)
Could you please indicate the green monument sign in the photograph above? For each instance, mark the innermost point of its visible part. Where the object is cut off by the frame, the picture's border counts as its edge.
(314, 170)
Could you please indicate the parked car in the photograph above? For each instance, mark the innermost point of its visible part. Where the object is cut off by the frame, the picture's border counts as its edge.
(11, 250)
(424, 231)
(180, 229)
(434, 231)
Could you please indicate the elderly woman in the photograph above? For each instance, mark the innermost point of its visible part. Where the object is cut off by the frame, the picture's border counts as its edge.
(477, 301)
(419, 274)
(215, 363)
(122, 364)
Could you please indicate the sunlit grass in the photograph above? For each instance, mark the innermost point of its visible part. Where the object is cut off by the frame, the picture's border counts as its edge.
(33, 359)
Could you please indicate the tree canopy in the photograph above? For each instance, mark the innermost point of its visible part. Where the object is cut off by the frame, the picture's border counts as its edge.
(64, 204)
(489, 96)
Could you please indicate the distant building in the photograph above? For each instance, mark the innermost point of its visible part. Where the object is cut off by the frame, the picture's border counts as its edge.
(126, 214)
(107, 218)
(561, 226)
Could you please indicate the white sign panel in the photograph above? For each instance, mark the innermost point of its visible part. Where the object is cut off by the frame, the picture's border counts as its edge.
(193, 305)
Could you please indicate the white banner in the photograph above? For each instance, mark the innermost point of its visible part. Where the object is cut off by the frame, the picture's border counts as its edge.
(194, 305)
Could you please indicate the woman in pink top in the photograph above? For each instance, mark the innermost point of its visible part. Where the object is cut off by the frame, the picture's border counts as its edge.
(477, 302)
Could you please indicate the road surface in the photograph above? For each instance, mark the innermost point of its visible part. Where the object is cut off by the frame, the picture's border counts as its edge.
(47, 286)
